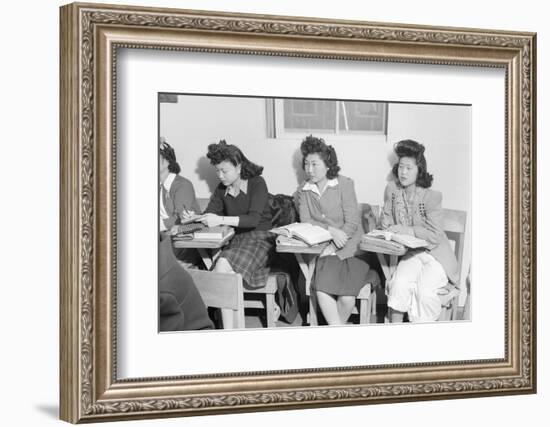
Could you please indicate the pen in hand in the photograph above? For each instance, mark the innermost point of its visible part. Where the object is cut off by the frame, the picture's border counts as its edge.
(186, 213)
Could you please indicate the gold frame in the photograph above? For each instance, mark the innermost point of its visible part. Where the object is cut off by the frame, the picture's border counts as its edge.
(90, 35)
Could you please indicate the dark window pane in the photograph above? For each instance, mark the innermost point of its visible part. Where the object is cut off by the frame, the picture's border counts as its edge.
(309, 115)
(362, 116)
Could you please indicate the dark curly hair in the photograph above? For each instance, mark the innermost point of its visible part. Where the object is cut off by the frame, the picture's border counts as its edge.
(168, 154)
(410, 148)
(223, 151)
(313, 145)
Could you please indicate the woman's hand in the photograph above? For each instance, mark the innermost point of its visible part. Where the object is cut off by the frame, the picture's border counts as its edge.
(211, 220)
(186, 214)
(339, 237)
(329, 250)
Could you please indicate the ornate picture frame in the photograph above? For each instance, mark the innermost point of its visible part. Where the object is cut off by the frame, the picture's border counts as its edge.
(90, 37)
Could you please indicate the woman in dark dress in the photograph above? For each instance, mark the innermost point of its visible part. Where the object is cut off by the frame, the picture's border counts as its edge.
(328, 199)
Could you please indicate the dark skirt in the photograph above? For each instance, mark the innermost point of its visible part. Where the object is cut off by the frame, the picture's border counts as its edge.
(340, 277)
(248, 254)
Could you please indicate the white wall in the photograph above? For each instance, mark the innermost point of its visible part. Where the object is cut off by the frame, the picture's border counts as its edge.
(29, 269)
(196, 121)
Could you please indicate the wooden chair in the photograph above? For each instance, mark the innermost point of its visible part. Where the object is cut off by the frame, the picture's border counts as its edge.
(263, 298)
(467, 313)
(454, 225)
(266, 301)
(366, 296)
(367, 304)
(222, 290)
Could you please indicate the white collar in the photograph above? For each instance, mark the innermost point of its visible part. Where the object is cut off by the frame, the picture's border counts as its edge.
(168, 181)
(313, 187)
(243, 186)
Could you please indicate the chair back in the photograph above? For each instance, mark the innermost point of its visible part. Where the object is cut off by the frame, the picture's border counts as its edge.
(454, 225)
(221, 290)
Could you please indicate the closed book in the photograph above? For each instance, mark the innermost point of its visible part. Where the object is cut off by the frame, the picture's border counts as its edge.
(213, 233)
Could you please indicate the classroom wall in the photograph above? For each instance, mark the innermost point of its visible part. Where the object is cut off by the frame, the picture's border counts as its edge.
(30, 364)
(196, 121)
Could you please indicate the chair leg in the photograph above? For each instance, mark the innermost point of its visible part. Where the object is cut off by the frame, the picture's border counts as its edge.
(446, 314)
(313, 309)
(454, 310)
(365, 310)
(229, 318)
(270, 310)
(466, 312)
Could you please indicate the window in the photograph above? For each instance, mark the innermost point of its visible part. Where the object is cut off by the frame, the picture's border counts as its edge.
(291, 118)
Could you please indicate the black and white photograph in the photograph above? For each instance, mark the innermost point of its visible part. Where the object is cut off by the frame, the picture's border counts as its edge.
(302, 212)
(270, 212)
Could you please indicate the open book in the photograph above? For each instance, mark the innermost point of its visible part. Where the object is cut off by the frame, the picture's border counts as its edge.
(404, 239)
(309, 233)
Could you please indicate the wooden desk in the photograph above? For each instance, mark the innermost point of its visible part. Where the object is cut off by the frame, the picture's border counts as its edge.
(203, 246)
(307, 258)
(387, 268)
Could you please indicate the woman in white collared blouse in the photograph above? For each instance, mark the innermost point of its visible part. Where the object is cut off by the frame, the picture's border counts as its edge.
(241, 201)
(328, 199)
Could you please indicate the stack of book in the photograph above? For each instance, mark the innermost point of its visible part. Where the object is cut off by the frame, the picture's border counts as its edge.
(387, 242)
(213, 234)
(186, 231)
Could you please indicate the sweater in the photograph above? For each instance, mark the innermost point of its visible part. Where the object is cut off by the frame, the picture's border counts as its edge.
(181, 196)
(336, 207)
(250, 205)
(425, 220)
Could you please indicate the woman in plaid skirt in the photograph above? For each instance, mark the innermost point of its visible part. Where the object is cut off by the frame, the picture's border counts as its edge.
(241, 201)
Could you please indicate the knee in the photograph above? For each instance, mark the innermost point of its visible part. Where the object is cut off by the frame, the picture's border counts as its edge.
(322, 295)
(347, 300)
(426, 293)
(400, 284)
(223, 266)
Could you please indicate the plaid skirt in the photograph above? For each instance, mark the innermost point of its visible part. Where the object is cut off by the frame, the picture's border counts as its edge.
(249, 254)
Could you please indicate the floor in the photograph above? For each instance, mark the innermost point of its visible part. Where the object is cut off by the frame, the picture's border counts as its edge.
(255, 318)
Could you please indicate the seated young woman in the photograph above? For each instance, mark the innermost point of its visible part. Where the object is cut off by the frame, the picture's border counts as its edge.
(177, 197)
(328, 199)
(240, 201)
(177, 194)
(411, 207)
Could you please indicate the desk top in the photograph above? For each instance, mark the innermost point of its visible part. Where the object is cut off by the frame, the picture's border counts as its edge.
(396, 252)
(206, 244)
(317, 249)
